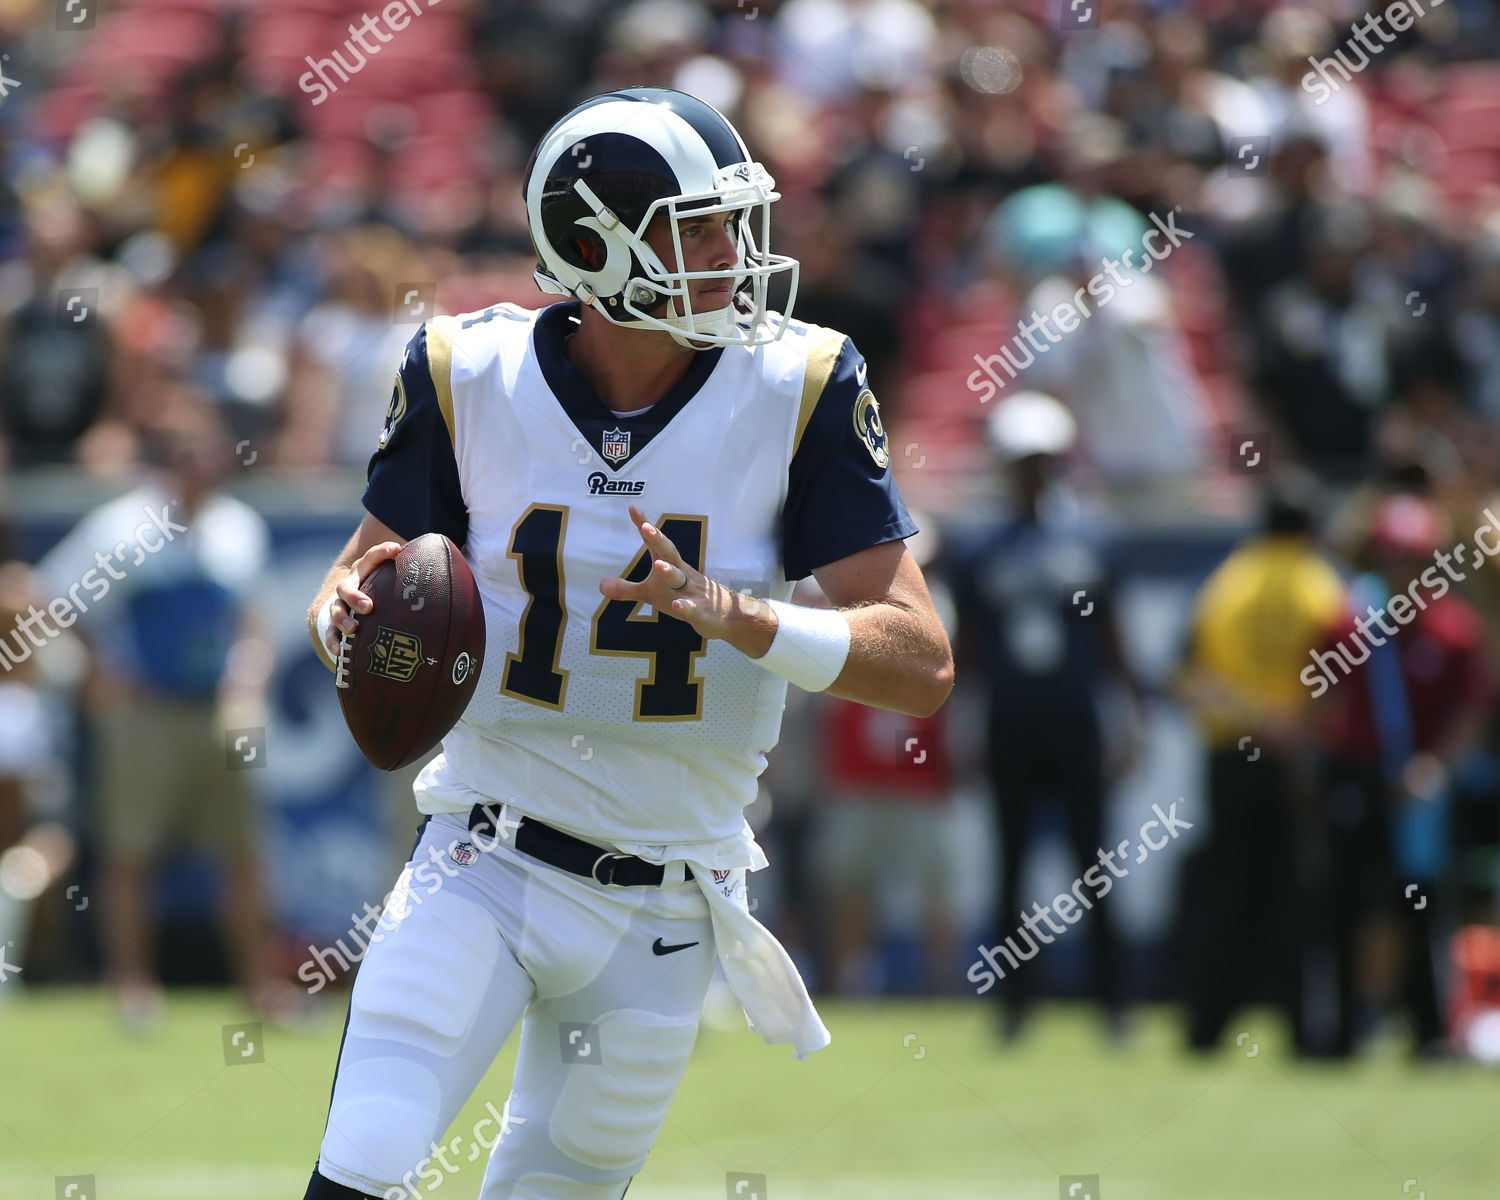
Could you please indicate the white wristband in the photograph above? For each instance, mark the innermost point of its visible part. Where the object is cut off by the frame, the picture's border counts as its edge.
(810, 647)
(325, 626)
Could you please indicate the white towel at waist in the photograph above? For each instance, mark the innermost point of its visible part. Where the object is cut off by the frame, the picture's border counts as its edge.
(758, 969)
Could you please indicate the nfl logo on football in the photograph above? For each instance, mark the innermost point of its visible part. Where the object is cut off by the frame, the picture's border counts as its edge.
(464, 854)
(616, 447)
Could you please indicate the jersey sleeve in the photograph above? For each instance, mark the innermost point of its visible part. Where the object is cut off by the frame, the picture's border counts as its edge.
(841, 498)
(413, 483)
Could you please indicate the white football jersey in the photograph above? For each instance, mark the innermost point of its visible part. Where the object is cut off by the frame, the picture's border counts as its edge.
(606, 718)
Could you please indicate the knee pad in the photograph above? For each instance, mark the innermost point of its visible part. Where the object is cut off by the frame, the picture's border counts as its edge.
(382, 1122)
(608, 1115)
(422, 985)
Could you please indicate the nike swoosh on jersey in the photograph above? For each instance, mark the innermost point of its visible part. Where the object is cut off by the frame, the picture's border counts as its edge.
(860, 372)
(658, 949)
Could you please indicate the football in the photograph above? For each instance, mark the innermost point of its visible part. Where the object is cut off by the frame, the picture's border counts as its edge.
(406, 675)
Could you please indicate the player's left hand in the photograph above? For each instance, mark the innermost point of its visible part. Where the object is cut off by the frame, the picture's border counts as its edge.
(674, 588)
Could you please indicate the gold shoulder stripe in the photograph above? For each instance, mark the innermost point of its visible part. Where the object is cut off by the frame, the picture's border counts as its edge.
(823, 347)
(440, 332)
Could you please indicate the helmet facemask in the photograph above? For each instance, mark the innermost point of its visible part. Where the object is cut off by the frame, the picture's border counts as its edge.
(656, 297)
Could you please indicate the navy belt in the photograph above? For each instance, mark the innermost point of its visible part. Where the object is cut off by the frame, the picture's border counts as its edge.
(571, 854)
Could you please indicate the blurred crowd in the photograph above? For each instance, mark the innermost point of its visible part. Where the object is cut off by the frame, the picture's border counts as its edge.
(220, 222)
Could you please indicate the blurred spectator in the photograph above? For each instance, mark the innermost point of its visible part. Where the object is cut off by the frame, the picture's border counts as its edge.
(1034, 596)
(25, 741)
(1416, 703)
(829, 49)
(1477, 326)
(348, 347)
(159, 581)
(1289, 36)
(1321, 340)
(1118, 362)
(54, 346)
(1254, 622)
(1265, 247)
(885, 783)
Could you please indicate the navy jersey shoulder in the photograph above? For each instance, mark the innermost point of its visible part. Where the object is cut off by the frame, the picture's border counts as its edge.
(841, 498)
(413, 483)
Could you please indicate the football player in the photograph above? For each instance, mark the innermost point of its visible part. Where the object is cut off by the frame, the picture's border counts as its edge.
(637, 476)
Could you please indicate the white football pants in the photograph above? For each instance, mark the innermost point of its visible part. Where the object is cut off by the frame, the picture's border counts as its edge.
(609, 984)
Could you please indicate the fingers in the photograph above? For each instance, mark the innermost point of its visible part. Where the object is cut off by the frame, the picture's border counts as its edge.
(675, 577)
(657, 542)
(350, 602)
(664, 578)
(374, 556)
(623, 589)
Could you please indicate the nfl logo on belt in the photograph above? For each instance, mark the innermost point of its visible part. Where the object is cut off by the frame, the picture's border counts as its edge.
(616, 447)
(464, 854)
(720, 876)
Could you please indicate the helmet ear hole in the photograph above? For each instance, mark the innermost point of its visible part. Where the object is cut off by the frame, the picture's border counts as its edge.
(585, 249)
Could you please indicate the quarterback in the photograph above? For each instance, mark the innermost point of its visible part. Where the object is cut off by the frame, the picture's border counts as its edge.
(637, 476)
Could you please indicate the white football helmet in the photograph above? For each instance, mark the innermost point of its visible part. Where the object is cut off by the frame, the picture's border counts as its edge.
(599, 177)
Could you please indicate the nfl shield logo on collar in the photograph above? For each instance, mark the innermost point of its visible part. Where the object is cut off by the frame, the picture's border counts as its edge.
(616, 447)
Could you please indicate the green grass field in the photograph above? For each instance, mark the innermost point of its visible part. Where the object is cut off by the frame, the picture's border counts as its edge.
(911, 1100)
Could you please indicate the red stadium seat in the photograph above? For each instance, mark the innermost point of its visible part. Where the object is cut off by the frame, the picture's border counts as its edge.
(452, 113)
(1470, 125)
(330, 8)
(1476, 82)
(342, 159)
(164, 37)
(434, 160)
(211, 7)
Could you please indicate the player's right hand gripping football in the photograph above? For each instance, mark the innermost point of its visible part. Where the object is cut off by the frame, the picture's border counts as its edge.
(349, 602)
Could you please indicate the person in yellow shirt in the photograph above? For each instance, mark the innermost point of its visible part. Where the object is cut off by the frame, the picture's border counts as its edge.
(1254, 621)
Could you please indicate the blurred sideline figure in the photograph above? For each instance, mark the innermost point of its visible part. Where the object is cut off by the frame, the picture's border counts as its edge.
(885, 842)
(25, 745)
(161, 577)
(1402, 725)
(1034, 600)
(1254, 621)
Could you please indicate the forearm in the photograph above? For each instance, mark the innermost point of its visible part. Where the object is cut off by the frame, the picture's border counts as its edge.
(372, 543)
(896, 661)
(326, 589)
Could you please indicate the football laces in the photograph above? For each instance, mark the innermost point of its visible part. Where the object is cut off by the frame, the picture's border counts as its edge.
(341, 667)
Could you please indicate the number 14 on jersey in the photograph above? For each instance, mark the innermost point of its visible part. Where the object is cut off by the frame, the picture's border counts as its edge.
(669, 691)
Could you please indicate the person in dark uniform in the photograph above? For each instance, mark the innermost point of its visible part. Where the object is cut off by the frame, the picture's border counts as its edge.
(1033, 594)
